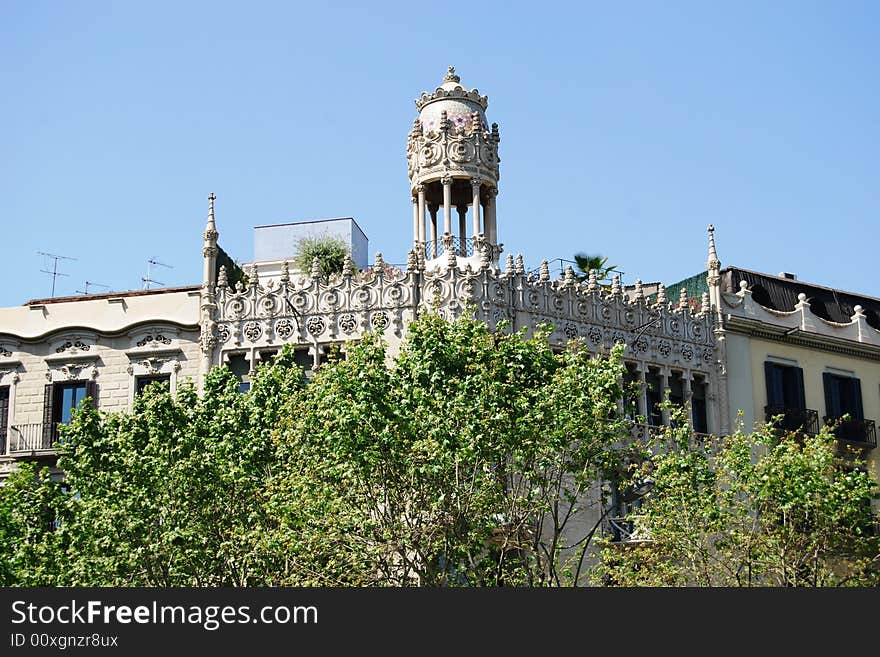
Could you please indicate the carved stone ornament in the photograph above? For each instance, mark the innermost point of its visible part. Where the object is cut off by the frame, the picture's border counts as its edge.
(571, 331)
(71, 371)
(253, 331)
(223, 332)
(347, 322)
(4, 352)
(151, 340)
(72, 347)
(316, 325)
(284, 328)
(379, 320)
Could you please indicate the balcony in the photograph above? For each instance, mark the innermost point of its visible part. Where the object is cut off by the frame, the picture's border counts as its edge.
(31, 438)
(802, 420)
(630, 530)
(861, 433)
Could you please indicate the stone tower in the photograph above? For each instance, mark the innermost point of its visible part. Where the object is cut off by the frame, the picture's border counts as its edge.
(453, 166)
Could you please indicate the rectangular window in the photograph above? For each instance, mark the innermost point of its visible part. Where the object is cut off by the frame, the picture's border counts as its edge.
(843, 395)
(67, 397)
(239, 366)
(141, 382)
(699, 410)
(654, 397)
(59, 400)
(785, 386)
(786, 398)
(631, 392)
(4, 416)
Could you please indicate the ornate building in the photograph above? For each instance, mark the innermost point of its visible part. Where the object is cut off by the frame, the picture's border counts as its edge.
(55, 352)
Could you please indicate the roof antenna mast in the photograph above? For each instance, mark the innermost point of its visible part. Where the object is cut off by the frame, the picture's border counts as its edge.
(54, 273)
(148, 279)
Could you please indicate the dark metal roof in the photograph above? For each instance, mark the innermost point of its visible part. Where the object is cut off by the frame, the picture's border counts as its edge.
(779, 293)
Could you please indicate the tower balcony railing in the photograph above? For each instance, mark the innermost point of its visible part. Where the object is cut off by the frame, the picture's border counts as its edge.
(30, 438)
(861, 433)
(461, 247)
(802, 420)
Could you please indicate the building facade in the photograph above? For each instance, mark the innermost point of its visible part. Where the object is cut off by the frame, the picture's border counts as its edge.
(714, 344)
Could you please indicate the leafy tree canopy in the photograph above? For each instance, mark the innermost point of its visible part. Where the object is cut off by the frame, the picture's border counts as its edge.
(330, 252)
(585, 263)
(759, 509)
(464, 461)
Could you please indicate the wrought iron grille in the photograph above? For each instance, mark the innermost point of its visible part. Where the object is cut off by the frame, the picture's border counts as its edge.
(805, 420)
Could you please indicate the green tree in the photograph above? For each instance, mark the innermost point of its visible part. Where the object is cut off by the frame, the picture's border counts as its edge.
(585, 263)
(759, 509)
(330, 252)
(173, 493)
(469, 459)
(465, 462)
(31, 508)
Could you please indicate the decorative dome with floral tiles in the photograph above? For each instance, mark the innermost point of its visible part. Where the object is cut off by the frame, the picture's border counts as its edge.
(458, 102)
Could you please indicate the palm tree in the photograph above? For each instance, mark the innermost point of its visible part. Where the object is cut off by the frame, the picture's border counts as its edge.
(587, 262)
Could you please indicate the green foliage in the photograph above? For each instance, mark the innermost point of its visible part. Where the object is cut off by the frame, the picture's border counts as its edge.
(587, 262)
(462, 462)
(759, 509)
(330, 252)
(31, 508)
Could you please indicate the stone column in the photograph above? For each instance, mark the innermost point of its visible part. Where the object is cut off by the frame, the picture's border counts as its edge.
(664, 395)
(475, 185)
(432, 209)
(447, 204)
(643, 393)
(415, 202)
(491, 226)
(688, 393)
(462, 229)
(421, 202)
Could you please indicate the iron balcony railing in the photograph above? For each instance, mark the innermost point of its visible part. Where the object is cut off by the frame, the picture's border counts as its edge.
(804, 420)
(630, 529)
(463, 248)
(26, 438)
(858, 432)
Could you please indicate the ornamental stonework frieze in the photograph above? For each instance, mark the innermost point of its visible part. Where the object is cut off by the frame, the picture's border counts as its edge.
(72, 371)
(72, 346)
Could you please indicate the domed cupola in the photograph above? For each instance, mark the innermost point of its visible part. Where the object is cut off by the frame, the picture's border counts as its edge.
(453, 163)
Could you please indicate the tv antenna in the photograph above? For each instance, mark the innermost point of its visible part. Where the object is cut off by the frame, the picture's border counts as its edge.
(148, 279)
(85, 290)
(54, 273)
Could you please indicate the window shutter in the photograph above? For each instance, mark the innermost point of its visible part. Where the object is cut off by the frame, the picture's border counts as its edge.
(48, 414)
(92, 391)
(773, 378)
(799, 388)
(858, 412)
(832, 396)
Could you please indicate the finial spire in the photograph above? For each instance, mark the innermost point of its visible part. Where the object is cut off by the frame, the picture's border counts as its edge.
(639, 292)
(661, 296)
(211, 198)
(712, 262)
(451, 76)
(545, 271)
(615, 285)
(682, 298)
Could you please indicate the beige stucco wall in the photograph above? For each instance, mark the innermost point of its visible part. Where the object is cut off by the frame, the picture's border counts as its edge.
(814, 362)
(110, 340)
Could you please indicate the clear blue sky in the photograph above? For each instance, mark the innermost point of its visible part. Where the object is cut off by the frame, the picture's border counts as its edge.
(626, 128)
